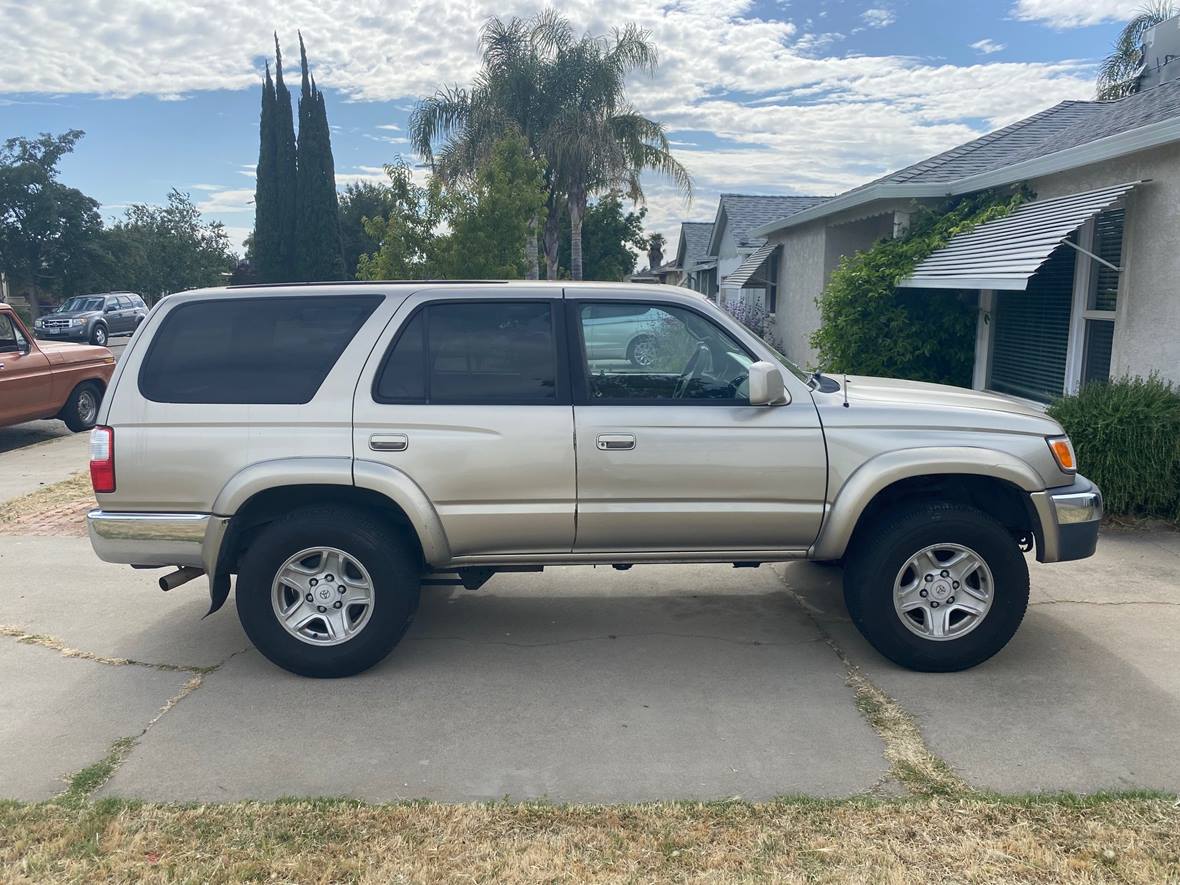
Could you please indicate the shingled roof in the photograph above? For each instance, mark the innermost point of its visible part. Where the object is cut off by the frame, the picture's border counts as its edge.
(1063, 127)
(741, 213)
(694, 243)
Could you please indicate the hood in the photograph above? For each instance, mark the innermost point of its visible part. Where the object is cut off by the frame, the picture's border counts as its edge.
(63, 352)
(70, 315)
(866, 390)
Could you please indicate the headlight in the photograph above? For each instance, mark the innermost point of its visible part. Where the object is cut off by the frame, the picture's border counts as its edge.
(38, 324)
(76, 322)
(1063, 454)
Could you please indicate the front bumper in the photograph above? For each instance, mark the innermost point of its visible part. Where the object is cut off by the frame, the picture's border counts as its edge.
(79, 333)
(1069, 518)
(158, 539)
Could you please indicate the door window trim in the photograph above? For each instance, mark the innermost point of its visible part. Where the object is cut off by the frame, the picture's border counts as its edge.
(557, 323)
(580, 364)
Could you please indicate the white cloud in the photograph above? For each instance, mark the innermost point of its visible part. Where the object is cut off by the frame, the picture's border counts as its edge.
(1075, 13)
(987, 46)
(805, 122)
(878, 18)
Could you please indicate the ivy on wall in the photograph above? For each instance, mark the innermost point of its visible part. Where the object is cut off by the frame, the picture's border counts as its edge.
(870, 327)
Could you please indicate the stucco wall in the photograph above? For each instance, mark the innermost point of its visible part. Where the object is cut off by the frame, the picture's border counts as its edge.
(800, 280)
(1147, 322)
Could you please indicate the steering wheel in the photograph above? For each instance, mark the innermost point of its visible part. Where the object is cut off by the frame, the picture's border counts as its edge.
(690, 371)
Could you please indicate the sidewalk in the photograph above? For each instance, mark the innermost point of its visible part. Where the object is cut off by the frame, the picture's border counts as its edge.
(24, 470)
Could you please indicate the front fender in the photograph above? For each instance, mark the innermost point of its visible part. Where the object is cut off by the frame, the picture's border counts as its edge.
(882, 471)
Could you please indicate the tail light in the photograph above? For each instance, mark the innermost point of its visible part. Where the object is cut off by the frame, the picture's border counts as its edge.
(102, 459)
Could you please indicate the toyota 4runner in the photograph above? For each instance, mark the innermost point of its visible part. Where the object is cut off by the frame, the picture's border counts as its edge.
(337, 446)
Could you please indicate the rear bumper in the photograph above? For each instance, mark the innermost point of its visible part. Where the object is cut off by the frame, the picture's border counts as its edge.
(157, 539)
(1070, 517)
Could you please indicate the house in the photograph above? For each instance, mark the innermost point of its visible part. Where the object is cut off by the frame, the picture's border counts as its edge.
(692, 261)
(1082, 283)
(745, 267)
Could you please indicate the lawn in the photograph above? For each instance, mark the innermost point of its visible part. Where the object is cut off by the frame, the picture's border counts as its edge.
(1113, 838)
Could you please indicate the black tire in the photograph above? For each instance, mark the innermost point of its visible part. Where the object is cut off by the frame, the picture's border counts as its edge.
(386, 554)
(99, 335)
(81, 409)
(879, 553)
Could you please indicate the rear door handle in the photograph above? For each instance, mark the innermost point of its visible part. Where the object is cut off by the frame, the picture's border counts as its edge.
(389, 442)
(615, 442)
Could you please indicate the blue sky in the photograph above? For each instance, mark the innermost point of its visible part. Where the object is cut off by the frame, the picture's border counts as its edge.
(773, 96)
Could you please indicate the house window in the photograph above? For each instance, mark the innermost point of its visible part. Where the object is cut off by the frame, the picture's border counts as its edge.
(772, 281)
(1059, 333)
(1102, 296)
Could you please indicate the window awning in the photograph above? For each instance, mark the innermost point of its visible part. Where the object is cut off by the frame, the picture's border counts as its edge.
(1005, 253)
(749, 267)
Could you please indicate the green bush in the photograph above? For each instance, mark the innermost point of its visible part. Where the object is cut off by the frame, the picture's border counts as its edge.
(1127, 437)
(870, 327)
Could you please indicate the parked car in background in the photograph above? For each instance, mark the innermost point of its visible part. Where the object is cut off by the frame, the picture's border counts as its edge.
(94, 318)
(336, 445)
(65, 381)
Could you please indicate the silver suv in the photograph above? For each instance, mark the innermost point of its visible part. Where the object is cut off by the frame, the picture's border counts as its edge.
(337, 446)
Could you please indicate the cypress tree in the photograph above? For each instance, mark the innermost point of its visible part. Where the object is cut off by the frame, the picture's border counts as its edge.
(319, 250)
(285, 175)
(266, 251)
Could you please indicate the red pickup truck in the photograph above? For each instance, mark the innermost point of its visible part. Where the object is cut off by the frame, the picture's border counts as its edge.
(41, 379)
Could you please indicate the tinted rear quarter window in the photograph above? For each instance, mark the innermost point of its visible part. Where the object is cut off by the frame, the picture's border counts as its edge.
(473, 352)
(262, 350)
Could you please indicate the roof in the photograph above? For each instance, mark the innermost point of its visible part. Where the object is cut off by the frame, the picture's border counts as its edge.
(1005, 253)
(740, 214)
(694, 244)
(1068, 135)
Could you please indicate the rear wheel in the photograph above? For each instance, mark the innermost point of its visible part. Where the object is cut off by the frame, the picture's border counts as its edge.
(327, 591)
(81, 409)
(936, 587)
(641, 352)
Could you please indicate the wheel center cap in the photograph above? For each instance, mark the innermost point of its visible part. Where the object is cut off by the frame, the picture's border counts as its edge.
(941, 589)
(324, 592)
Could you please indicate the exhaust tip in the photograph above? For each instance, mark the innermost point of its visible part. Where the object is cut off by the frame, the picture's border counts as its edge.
(180, 576)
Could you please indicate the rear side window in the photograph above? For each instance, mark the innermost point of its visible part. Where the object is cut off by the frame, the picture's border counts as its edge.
(269, 350)
(473, 352)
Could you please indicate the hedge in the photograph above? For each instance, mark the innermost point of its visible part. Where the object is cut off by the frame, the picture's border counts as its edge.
(1127, 437)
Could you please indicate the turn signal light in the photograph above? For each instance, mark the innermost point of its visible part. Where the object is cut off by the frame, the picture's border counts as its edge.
(102, 460)
(1062, 450)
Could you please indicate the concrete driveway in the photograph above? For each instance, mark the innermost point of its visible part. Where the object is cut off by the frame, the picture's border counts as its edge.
(663, 682)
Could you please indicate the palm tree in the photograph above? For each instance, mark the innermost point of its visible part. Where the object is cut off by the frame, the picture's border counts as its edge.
(599, 142)
(512, 95)
(1116, 74)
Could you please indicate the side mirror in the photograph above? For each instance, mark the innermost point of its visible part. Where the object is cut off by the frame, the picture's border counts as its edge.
(766, 385)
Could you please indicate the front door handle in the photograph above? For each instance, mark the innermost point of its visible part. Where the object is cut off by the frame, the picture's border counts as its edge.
(615, 442)
(389, 442)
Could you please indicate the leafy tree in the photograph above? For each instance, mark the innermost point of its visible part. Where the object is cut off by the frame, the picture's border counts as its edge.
(1116, 74)
(655, 250)
(406, 237)
(155, 250)
(319, 254)
(49, 233)
(610, 239)
(362, 201)
(492, 220)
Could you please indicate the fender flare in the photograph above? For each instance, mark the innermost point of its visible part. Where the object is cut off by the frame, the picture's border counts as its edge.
(397, 486)
(882, 471)
(248, 482)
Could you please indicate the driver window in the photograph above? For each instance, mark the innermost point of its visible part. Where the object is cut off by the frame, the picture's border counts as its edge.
(11, 341)
(637, 351)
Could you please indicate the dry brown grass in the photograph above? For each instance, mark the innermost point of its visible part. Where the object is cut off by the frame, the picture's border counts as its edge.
(1107, 839)
(73, 494)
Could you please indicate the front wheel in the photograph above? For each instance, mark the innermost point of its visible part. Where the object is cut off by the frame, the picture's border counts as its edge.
(327, 591)
(99, 335)
(81, 409)
(936, 587)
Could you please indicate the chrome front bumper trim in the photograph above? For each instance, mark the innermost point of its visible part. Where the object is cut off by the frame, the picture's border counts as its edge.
(1070, 517)
(157, 539)
(1077, 507)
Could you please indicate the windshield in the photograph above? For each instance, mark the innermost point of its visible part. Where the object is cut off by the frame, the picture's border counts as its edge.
(80, 303)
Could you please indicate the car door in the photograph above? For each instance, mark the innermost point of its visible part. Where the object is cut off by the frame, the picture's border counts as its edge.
(26, 380)
(125, 312)
(671, 455)
(467, 394)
